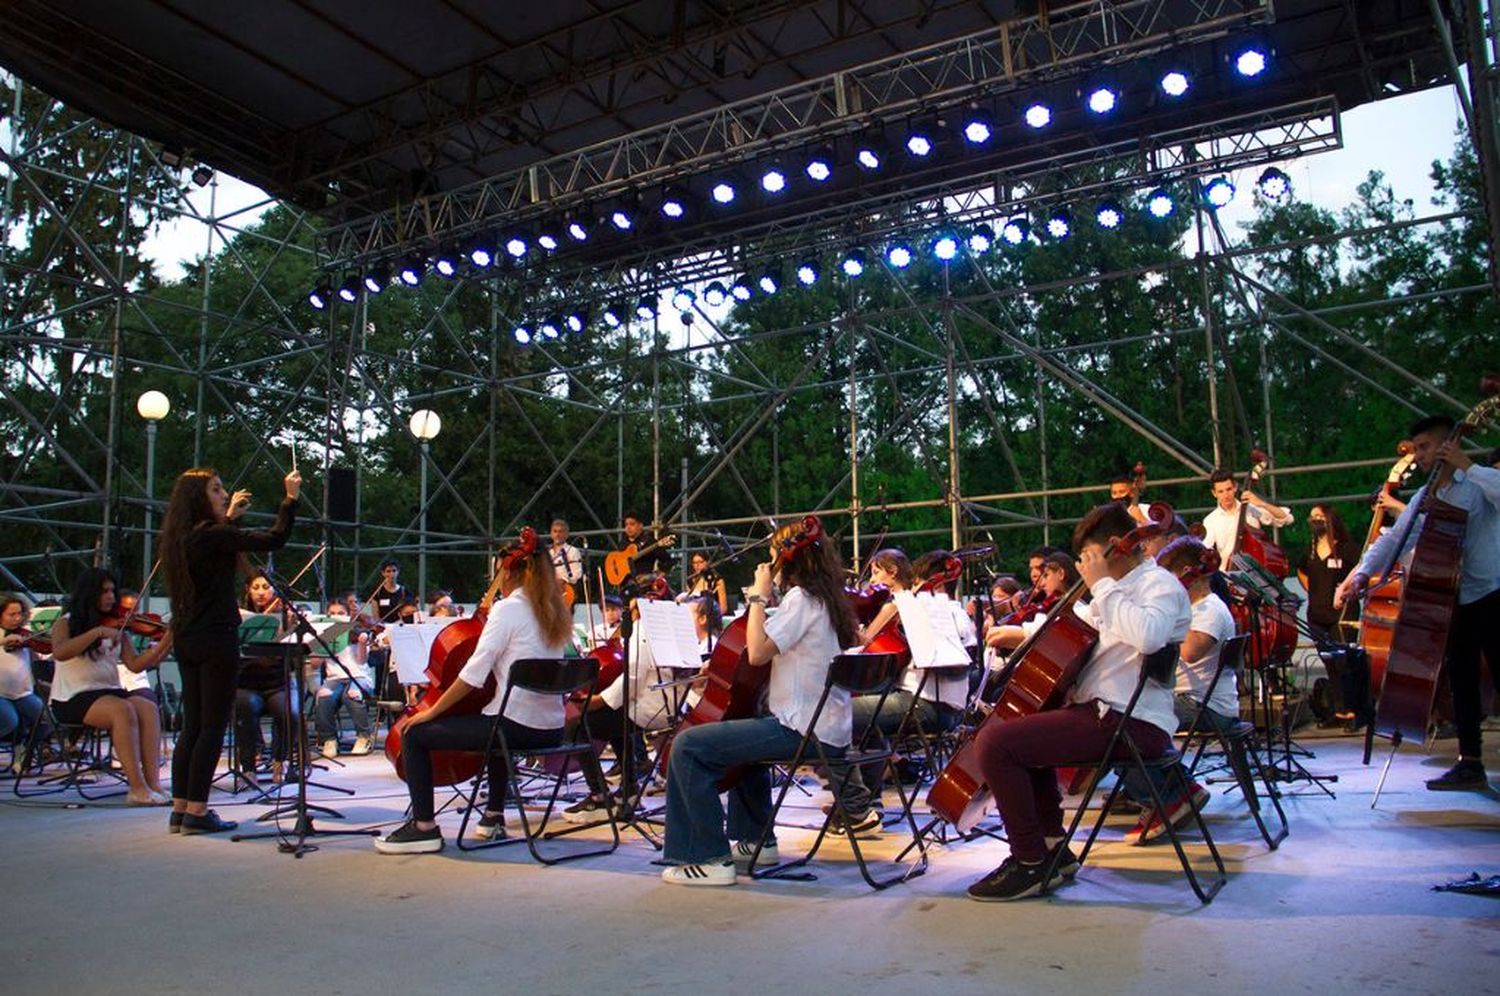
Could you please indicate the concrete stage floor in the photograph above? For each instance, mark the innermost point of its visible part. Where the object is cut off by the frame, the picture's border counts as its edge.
(103, 899)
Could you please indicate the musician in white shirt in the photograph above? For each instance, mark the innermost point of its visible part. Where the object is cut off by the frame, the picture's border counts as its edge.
(566, 558)
(1221, 526)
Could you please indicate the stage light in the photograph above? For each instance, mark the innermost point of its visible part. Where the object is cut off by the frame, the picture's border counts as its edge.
(919, 140)
(723, 192)
(1060, 224)
(741, 290)
(1250, 62)
(714, 295)
(203, 176)
(1274, 184)
(1038, 115)
(808, 272)
(869, 156)
(446, 264)
(515, 246)
(1102, 100)
(613, 314)
(1218, 192)
(819, 166)
(981, 239)
(773, 180)
(1174, 84)
(645, 308)
(1109, 214)
(377, 278)
(548, 242)
(481, 255)
(1159, 203)
(945, 247)
(521, 334)
(319, 295)
(411, 271)
(686, 318)
(621, 218)
(853, 263)
(899, 255)
(979, 128)
(674, 203)
(550, 327)
(349, 290)
(683, 298)
(769, 282)
(577, 229)
(1015, 231)
(577, 319)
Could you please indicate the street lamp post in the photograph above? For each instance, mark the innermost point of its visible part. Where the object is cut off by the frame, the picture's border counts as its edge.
(425, 425)
(153, 406)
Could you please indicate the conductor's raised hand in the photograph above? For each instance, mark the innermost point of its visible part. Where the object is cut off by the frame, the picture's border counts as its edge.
(293, 484)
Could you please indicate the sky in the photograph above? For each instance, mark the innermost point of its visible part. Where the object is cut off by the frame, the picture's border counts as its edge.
(1400, 136)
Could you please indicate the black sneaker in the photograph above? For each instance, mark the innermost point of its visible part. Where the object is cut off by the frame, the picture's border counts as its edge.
(590, 810)
(408, 839)
(1465, 776)
(871, 820)
(209, 822)
(1067, 865)
(1012, 880)
(174, 822)
(491, 826)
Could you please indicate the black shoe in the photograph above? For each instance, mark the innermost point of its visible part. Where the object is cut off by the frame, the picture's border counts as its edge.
(1012, 880)
(1465, 776)
(174, 822)
(591, 810)
(209, 822)
(1067, 865)
(409, 839)
(871, 820)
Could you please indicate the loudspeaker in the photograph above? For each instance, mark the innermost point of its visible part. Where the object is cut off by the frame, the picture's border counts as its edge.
(341, 494)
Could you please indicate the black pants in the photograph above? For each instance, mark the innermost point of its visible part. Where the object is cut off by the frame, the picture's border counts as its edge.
(470, 733)
(249, 706)
(1475, 634)
(611, 725)
(209, 670)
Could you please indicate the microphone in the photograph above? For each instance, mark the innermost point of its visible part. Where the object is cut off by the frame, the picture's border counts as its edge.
(724, 545)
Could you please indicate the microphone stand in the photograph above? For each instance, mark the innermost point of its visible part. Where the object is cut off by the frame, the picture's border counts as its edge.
(303, 827)
(627, 813)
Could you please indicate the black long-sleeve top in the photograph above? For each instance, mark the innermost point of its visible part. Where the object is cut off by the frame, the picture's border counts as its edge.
(213, 549)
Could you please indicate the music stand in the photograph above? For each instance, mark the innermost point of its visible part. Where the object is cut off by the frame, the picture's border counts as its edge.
(287, 651)
(254, 630)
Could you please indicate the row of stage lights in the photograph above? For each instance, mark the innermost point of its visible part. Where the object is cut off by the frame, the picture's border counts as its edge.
(977, 128)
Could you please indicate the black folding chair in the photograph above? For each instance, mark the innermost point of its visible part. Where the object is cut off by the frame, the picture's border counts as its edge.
(84, 754)
(544, 676)
(857, 674)
(1237, 746)
(1169, 768)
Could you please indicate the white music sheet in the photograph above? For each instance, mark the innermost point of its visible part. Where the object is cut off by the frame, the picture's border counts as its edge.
(411, 644)
(931, 631)
(669, 632)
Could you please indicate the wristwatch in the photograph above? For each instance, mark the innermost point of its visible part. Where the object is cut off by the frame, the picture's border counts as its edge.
(756, 600)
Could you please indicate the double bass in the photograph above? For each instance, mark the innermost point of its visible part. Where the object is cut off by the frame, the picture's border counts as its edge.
(1419, 640)
(1042, 671)
(450, 652)
(1383, 601)
(1275, 626)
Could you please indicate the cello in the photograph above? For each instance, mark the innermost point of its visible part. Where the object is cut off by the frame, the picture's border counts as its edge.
(1383, 601)
(1275, 626)
(1042, 671)
(1419, 640)
(734, 688)
(450, 652)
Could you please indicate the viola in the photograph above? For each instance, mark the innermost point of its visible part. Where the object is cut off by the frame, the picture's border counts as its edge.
(450, 652)
(1420, 638)
(1041, 672)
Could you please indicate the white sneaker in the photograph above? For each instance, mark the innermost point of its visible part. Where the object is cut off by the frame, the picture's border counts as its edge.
(744, 850)
(713, 873)
(330, 749)
(361, 746)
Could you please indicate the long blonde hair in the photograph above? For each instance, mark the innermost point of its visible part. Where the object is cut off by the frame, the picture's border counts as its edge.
(536, 576)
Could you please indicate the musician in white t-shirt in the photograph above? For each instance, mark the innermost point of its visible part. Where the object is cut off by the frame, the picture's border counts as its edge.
(1221, 526)
(798, 643)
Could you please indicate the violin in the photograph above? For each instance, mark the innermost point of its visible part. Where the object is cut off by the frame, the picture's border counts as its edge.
(147, 624)
(36, 642)
(1041, 671)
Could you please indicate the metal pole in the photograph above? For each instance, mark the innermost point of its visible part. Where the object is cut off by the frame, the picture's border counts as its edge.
(953, 499)
(199, 419)
(422, 554)
(1041, 427)
(150, 497)
(854, 505)
(116, 353)
(1208, 340)
(10, 181)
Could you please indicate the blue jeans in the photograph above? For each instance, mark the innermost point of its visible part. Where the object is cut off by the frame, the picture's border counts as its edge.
(1186, 708)
(19, 715)
(696, 826)
(326, 707)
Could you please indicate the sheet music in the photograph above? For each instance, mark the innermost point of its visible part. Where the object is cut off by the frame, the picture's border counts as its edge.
(931, 631)
(411, 644)
(669, 632)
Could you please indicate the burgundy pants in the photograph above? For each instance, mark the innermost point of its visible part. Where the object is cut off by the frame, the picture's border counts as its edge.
(1019, 756)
